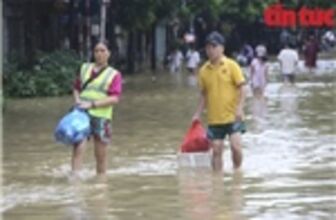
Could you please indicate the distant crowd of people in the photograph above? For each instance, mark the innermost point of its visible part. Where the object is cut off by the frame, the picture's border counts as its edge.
(256, 58)
(175, 60)
(288, 57)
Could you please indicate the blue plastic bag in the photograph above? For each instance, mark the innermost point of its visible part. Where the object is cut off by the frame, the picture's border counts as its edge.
(73, 128)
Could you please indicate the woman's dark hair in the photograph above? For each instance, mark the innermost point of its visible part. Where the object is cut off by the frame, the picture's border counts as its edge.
(105, 42)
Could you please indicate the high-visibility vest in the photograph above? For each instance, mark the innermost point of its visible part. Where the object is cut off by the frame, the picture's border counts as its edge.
(97, 89)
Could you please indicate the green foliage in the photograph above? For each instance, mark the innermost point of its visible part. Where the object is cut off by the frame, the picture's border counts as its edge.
(141, 14)
(246, 11)
(166, 8)
(227, 13)
(311, 3)
(52, 75)
(134, 14)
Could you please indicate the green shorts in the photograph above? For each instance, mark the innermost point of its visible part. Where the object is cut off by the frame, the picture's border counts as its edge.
(101, 128)
(221, 130)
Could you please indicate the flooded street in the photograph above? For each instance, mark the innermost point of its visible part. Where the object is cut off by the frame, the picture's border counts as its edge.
(289, 167)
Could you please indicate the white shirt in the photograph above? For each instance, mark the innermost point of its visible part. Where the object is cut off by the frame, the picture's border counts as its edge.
(193, 59)
(177, 59)
(288, 58)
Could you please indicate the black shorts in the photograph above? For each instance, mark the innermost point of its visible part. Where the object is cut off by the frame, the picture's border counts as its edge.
(220, 131)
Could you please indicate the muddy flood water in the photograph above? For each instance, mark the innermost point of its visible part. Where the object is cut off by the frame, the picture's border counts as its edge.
(288, 173)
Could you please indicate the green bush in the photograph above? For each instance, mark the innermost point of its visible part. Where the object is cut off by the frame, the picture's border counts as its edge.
(51, 75)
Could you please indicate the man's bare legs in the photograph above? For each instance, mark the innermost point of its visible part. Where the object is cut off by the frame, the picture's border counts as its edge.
(217, 153)
(236, 152)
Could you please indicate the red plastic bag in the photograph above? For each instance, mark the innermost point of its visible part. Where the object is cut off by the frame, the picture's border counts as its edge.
(195, 140)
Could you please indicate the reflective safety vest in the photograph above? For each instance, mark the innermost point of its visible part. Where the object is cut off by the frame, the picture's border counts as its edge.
(97, 89)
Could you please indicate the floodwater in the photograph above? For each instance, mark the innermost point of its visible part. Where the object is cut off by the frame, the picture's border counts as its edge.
(288, 170)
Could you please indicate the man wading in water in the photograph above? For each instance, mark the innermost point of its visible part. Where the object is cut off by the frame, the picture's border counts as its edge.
(223, 94)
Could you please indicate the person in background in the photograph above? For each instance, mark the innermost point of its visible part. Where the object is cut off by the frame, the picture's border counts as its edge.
(248, 52)
(193, 60)
(175, 61)
(222, 88)
(245, 55)
(310, 51)
(288, 59)
(328, 40)
(97, 89)
(258, 72)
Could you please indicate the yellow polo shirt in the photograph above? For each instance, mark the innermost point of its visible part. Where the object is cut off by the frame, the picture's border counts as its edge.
(220, 85)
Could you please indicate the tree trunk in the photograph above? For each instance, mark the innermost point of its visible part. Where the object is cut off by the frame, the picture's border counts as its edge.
(72, 27)
(29, 34)
(140, 50)
(88, 31)
(130, 52)
(80, 36)
(153, 48)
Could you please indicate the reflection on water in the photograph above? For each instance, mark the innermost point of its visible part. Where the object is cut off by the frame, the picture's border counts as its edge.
(196, 190)
(207, 195)
(288, 99)
(91, 201)
(259, 113)
(288, 170)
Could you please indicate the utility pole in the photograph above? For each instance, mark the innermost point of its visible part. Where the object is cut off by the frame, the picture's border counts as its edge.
(88, 29)
(103, 6)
